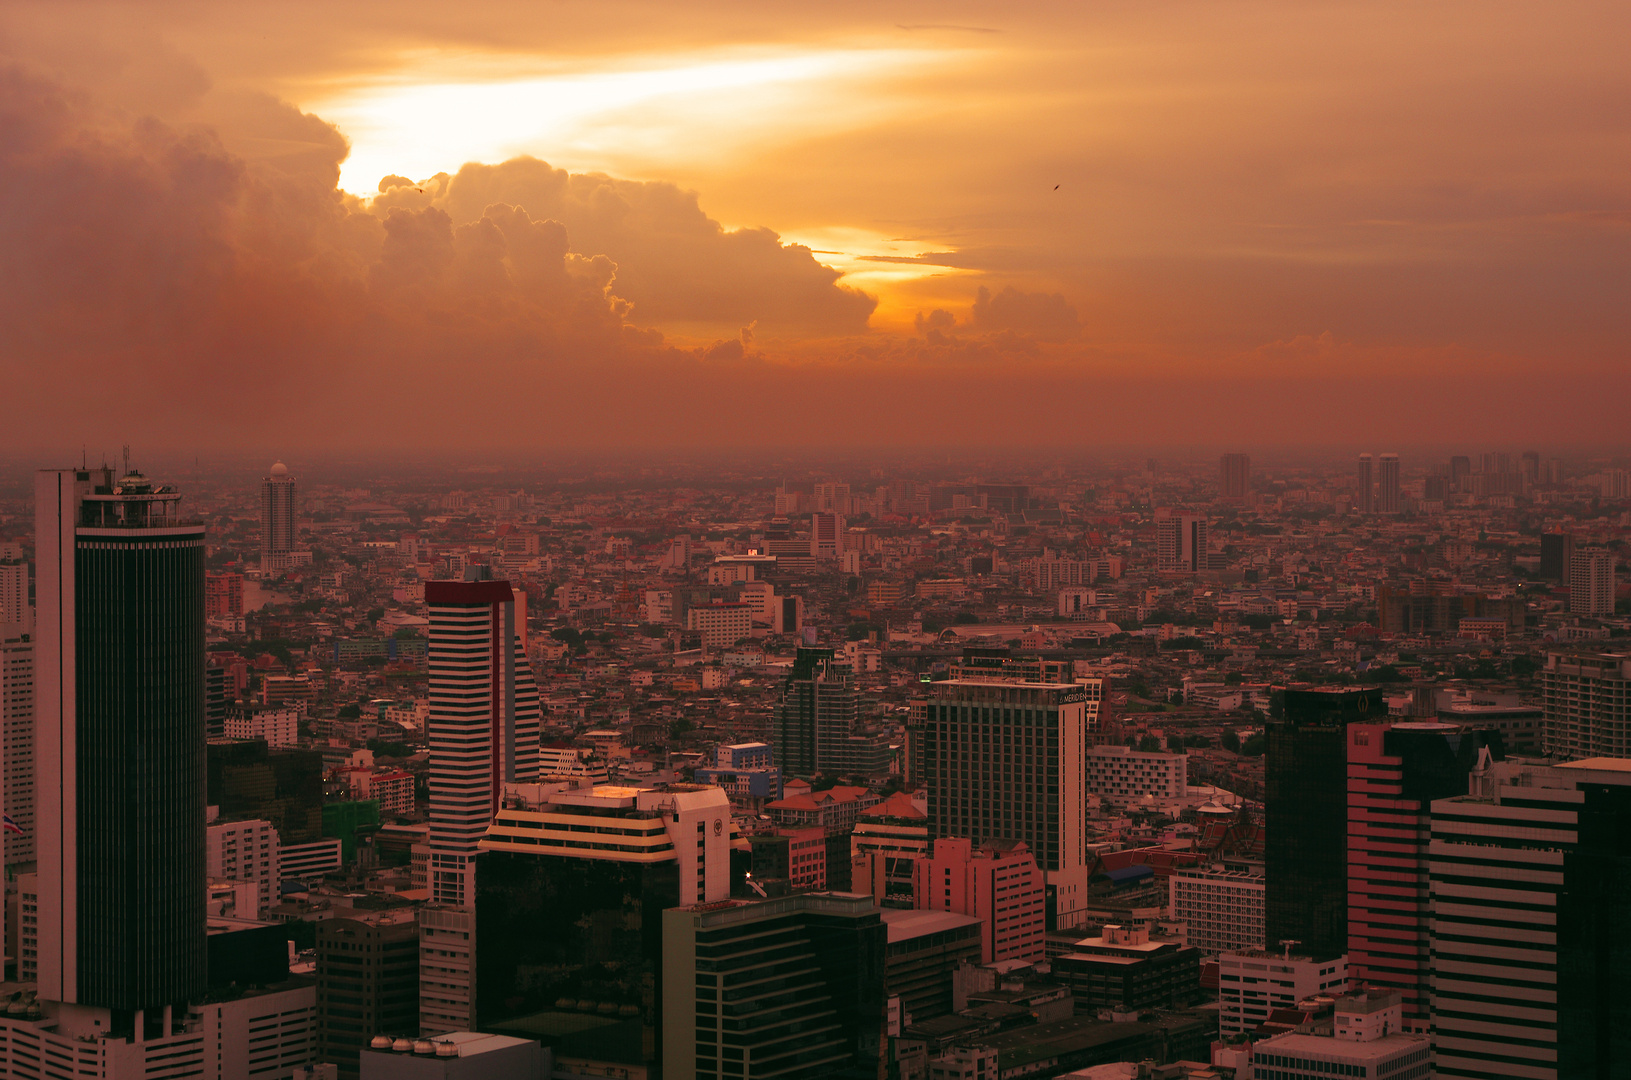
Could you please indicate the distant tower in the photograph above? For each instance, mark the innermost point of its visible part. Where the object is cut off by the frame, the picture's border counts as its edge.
(119, 707)
(277, 519)
(1234, 473)
(1181, 543)
(1460, 473)
(1591, 581)
(1365, 487)
(1387, 495)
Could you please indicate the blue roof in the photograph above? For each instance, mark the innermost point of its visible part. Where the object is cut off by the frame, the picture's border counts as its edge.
(1129, 874)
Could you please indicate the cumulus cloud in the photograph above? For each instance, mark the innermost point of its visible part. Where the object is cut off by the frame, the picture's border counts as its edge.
(1043, 315)
(675, 263)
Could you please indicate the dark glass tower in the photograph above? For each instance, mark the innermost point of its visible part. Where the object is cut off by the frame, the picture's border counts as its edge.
(816, 714)
(1306, 809)
(122, 823)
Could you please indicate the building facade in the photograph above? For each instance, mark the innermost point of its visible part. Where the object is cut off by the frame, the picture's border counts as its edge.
(278, 520)
(1586, 698)
(245, 851)
(120, 734)
(17, 740)
(367, 984)
(1251, 985)
(816, 715)
(1221, 908)
(1006, 761)
(1122, 774)
(1591, 581)
(999, 884)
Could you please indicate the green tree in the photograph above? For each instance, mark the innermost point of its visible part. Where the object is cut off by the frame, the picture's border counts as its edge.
(1149, 744)
(1255, 746)
(1230, 740)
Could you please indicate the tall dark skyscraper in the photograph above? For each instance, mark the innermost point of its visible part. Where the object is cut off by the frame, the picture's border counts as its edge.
(277, 519)
(1306, 809)
(120, 826)
(1365, 485)
(1234, 475)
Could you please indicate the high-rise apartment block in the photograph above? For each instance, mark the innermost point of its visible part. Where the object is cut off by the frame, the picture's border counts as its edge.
(734, 1008)
(1365, 485)
(367, 983)
(1395, 771)
(1006, 761)
(279, 521)
(120, 729)
(1181, 543)
(17, 740)
(997, 883)
(246, 851)
(1389, 498)
(815, 718)
(223, 595)
(1306, 811)
(14, 606)
(1234, 475)
(1586, 698)
(1591, 581)
(1221, 907)
(1530, 905)
(1556, 555)
(483, 722)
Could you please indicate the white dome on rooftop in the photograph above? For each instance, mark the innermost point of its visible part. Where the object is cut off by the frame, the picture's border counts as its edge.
(279, 469)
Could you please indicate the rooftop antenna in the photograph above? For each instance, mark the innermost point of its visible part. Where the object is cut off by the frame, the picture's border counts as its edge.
(127, 459)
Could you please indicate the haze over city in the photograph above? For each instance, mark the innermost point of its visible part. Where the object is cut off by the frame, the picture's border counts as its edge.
(402, 225)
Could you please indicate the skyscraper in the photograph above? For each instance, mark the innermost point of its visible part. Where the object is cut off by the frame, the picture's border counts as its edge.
(1556, 554)
(1180, 543)
(1006, 761)
(1591, 581)
(1529, 878)
(1234, 475)
(1395, 771)
(1388, 498)
(1586, 697)
(278, 519)
(1365, 486)
(1460, 472)
(816, 715)
(1306, 811)
(119, 707)
(17, 739)
(826, 535)
(483, 722)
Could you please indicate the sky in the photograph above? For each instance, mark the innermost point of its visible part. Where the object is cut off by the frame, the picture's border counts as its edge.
(351, 225)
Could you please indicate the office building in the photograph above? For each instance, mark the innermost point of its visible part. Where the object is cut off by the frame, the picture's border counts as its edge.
(1365, 485)
(1006, 761)
(887, 842)
(998, 883)
(14, 606)
(1586, 698)
(1389, 499)
(1180, 543)
(367, 983)
(223, 595)
(1221, 907)
(570, 890)
(246, 851)
(924, 952)
(120, 728)
(1395, 771)
(1234, 475)
(17, 740)
(1251, 985)
(279, 520)
(446, 956)
(217, 696)
(826, 535)
(1305, 805)
(816, 715)
(1530, 909)
(1591, 581)
(1556, 555)
(1125, 969)
(789, 988)
(1364, 1041)
(483, 721)
(276, 725)
(745, 771)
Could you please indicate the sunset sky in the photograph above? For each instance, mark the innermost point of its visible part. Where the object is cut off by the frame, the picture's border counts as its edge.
(521, 224)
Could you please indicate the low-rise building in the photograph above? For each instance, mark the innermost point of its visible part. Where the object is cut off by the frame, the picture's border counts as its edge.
(1252, 984)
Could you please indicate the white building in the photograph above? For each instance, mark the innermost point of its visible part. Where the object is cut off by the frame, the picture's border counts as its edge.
(14, 607)
(17, 737)
(721, 624)
(1253, 984)
(446, 949)
(277, 726)
(1365, 1043)
(567, 762)
(245, 851)
(1591, 581)
(1123, 774)
(1222, 909)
